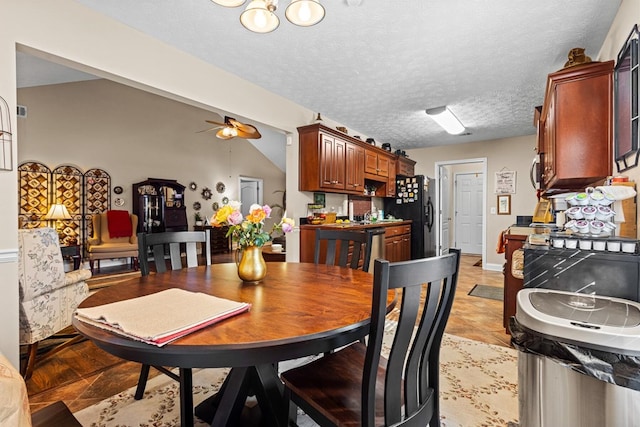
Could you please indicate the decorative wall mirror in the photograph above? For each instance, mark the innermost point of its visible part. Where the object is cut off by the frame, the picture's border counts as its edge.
(627, 148)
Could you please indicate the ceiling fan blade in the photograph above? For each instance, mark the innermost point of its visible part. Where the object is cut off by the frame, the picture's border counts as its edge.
(216, 123)
(244, 130)
(248, 132)
(208, 130)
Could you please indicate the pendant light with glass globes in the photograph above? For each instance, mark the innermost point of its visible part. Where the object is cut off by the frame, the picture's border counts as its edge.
(260, 17)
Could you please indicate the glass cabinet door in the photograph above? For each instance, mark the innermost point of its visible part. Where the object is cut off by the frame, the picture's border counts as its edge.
(152, 219)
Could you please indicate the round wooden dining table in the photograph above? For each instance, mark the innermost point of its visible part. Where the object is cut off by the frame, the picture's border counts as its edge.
(297, 310)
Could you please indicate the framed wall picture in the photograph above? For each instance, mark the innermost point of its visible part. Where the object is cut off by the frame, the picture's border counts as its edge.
(319, 199)
(505, 182)
(504, 204)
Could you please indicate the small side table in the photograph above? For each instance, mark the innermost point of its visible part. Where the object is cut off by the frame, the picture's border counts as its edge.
(72, 252)
(271, 256)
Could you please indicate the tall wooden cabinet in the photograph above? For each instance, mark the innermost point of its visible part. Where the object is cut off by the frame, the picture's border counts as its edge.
(575, 139)
(160, 205)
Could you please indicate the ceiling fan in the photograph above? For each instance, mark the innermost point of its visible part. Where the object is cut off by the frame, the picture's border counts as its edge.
(232, 128)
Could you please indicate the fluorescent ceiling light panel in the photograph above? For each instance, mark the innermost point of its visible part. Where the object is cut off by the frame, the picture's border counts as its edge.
(446, 119)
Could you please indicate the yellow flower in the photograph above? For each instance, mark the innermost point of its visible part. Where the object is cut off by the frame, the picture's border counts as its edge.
(256, 216)
(222, 214)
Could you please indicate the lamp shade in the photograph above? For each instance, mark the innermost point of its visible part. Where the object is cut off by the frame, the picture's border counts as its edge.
(259, 18)
(446, 119)
(304, 13)
(229, 3)
(57, 212)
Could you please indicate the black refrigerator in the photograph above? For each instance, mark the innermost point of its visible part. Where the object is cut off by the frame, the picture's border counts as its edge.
(415, 196)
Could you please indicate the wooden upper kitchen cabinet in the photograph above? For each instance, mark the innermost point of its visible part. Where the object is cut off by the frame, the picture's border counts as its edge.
(575, 138)
(322, 163)
(323, 156)
(354, 168)
(376, 164)
(405, 166)
(332, 161)
(391, 179)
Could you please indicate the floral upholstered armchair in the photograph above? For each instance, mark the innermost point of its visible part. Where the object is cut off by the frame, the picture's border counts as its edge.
(48, 295)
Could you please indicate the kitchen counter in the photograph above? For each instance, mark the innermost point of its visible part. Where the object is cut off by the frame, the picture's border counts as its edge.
(308, 241)
(358, 225)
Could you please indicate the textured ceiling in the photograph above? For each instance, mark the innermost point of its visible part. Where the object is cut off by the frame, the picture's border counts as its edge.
(376, 67)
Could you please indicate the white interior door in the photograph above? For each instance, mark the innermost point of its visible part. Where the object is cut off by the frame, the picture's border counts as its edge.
(444, 170)
(250, 193)
(468, 212)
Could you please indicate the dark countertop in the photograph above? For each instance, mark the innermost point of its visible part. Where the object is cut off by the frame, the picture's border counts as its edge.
(357, 225)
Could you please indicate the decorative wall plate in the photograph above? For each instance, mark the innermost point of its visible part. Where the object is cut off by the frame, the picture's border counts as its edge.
(193, 186)
(117, 189)
(220, 187)
(196, 206)
(215, 206)
(225, 200)
(119, 202)
(206, 193)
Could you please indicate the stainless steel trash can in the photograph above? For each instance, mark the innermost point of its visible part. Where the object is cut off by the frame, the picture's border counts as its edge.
(579, 359)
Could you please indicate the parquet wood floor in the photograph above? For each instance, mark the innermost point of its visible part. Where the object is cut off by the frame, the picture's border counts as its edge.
(82, 374)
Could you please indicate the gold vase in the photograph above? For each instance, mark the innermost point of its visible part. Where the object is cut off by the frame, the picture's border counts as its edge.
(251, 265)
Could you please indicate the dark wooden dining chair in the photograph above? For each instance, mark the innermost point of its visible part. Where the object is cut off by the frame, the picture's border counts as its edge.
(342, 247)
(175, 243)
(351, 387)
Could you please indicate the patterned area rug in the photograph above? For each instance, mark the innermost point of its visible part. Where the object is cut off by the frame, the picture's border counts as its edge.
(478, 388)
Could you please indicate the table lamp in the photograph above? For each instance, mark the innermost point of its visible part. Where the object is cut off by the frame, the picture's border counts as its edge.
(56, 213)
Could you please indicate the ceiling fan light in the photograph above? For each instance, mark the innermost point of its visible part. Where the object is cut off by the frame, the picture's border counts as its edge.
(229, 132)
(446, 119)
(259, 17)
(304, 13)
(229, 3)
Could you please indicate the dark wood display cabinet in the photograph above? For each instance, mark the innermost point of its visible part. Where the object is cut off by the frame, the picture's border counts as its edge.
(575, 128)
(512, 284)
(160, 205)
